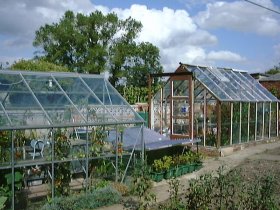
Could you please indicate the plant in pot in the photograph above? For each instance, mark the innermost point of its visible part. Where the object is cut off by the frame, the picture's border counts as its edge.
(191, 156)
(169, 166)
(184, 163)
(177, 164)
(198, 157)
(158, 170)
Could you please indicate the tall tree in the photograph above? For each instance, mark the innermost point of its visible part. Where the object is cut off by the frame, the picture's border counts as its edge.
(93, 44)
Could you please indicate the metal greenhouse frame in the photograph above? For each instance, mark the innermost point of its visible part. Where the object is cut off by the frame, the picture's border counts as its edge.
(37, 107)
(221, 106)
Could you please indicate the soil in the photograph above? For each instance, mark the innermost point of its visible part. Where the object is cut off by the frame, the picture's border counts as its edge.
(263, 164)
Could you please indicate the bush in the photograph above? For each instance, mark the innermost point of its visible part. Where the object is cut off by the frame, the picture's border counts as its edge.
(97, 198)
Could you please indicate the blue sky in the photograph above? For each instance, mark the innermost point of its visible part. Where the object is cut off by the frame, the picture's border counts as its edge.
(229, 33)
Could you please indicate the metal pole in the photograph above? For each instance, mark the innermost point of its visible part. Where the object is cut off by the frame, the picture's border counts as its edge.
(52, 137)
(142, 144)
(240, 120)
(87, 160)
(205, 116)
(13, 169)
(277, 119)
(248, 131)
(256, 123)
(150, 100)
(269, 124)
(231, 117)
(263, 104)
(117, 153)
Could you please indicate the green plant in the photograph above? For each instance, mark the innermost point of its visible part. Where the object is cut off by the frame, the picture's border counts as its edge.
(5, 144)
(158, 165)
(175, 202)
(97, 198)
(62, 170)
(3, 200)
(123, 189)
(142, 185)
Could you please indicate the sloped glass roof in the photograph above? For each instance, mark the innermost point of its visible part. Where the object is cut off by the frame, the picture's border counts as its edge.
(40, 99)
(231, 85)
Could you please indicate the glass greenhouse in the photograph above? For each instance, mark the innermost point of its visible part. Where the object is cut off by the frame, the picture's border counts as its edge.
(221, 106)
(59, 131)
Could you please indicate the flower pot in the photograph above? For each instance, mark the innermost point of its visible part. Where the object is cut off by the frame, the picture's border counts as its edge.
(197, 166)
(178, 171)
(185, 169)
(191, 167)
(170, 173)
(157, 176)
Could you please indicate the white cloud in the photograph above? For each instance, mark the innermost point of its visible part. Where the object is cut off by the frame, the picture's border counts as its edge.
(176, 34)
(224, 56)
(240, 16)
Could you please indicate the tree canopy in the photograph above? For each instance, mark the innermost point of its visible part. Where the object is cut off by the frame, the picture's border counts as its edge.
(274, 70)
(96, 43)
(37, 65)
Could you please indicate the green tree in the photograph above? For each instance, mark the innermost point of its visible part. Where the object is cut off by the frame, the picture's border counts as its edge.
(37, 65)
(96, 43)
(144, 60)
(274, 70)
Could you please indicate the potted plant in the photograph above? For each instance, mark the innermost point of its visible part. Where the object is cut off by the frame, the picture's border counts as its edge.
(184, 163)
(168, 166)
(191, 156)
(198, 161)
(158, 170)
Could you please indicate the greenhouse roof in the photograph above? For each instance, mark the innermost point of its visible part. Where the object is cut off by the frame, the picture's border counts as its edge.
(52, 99)
(231, 85)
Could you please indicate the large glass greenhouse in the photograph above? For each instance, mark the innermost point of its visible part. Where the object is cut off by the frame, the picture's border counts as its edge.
(221, 106)
(59, 131)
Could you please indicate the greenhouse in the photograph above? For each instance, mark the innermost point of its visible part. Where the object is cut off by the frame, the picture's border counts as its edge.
(221, 106)
(60, 131)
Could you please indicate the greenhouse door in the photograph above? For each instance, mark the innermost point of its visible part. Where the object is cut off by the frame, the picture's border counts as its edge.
(181, 107)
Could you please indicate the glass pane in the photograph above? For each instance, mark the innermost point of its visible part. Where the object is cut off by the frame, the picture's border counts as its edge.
(20, 105)
(115, 109)
(211, 85)
(252, 121)
(180, 116)
(259, 120)
(236, 123)
(273, 129)
(53, 99)
(225, 124)
(211, 123)
(4, 122)
(237, 86)
(266, 119)
(199, 119)
(180, 88)
(244, 122)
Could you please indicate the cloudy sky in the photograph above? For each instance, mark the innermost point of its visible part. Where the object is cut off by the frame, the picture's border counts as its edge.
(229, 33)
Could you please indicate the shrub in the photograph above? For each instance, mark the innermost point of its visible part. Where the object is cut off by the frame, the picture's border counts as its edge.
(97, 198)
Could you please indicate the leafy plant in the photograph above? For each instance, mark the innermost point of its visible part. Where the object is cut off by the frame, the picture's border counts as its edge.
(142, 185)
(62, 170)
(97, 198)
